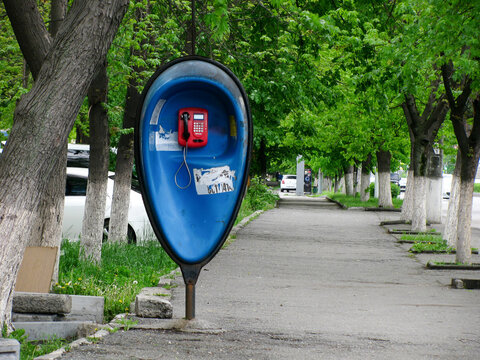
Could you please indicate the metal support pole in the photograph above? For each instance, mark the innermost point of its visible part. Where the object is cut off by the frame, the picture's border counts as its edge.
(190, 301)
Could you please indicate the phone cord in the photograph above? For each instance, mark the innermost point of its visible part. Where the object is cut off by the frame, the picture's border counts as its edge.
(188, 170)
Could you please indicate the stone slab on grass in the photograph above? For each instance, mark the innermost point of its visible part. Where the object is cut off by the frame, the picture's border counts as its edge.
(153, 303)
(9, 349)
(39, 303)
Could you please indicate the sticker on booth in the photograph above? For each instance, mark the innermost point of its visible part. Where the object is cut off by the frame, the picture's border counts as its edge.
(214, 181)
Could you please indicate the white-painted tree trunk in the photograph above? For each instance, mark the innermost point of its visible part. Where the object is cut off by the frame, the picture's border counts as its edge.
(407, 206)
(451, 222)
(384, 190)
(342, 185)
(349, 181)
(364, 185)
(434, 200)
(419, 219)
(464, 233)
(95, 203)
(357, 180)
(434, 189)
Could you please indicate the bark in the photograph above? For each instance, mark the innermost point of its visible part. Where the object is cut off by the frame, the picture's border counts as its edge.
(30, 31)
(434, 189)
(451, 222)
(384, 188)
(43, 119)
(336, 184)
(365, 179)
(94, 215)
(349, 180)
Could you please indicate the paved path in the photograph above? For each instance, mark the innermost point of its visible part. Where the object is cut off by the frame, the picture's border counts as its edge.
(314, 282)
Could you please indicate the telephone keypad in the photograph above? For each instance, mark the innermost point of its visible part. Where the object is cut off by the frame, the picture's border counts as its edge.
(197, 128)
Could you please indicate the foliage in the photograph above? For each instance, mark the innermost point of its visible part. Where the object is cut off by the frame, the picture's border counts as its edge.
(476, 188)
(395, 190)
(258, 197)
(124, 271)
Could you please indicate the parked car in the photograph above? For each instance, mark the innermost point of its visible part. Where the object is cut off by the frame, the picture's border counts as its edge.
(395, 178)
(289, 182)
(78, 155)
(403, 184)
(139, 227)
(446, 185)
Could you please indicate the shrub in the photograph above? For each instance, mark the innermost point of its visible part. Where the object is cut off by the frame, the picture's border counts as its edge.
(395, 190)
(259, 196)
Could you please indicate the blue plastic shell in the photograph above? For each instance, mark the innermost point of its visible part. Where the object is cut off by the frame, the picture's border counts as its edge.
(192, 223)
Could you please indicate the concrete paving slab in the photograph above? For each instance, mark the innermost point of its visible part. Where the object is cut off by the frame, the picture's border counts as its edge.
(9, 349)
(313, 283)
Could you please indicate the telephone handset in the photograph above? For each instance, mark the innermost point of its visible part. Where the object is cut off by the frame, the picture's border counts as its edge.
(192, 127)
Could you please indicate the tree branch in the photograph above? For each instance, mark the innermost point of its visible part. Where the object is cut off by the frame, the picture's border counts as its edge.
(30, 31)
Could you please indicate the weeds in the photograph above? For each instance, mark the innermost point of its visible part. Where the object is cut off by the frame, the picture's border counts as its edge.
(32, 349)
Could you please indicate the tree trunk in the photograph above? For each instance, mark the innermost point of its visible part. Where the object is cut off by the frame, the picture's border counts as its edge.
(365, 179)
(123, 172)
(407, 206)
(464, 250)
(469, 151)
(349, 180)
(357, 180)
(419, 216)
(451, 222)
(118, 225)
(384, 188)
(434, 189)
(43, 119)
(47, 231)
(94, 215)
(336, 184)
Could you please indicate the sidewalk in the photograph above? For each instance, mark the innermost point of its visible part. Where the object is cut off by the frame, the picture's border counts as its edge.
(313, 282)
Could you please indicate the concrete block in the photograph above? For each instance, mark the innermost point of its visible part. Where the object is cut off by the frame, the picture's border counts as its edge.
(153, 303)
(9, 349)
(60, 329)
(19, 317)
(40, 303)
(86, 308)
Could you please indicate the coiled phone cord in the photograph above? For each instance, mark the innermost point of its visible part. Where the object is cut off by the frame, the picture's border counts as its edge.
(188, 170)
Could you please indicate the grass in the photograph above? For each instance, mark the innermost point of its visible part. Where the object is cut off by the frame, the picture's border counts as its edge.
(32, 349)
(476, 188)
(354, 201)
(429, 243)
(125, 269)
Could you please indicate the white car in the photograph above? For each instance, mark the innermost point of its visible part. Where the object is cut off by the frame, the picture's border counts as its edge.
(289, 182)
(139, 227)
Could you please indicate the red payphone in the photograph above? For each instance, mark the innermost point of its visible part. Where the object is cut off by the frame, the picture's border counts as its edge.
(192, 127)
